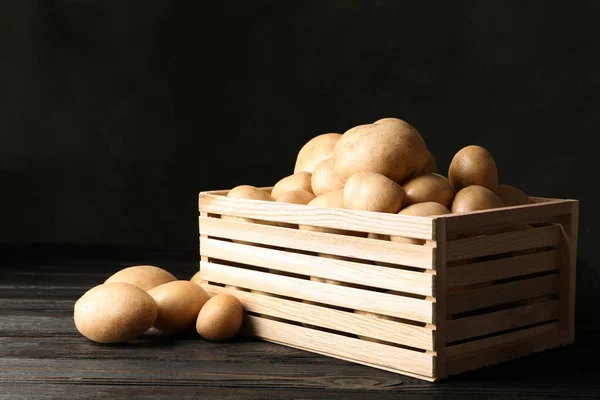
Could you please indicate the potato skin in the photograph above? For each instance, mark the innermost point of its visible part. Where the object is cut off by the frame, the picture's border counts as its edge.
(369, 191)
(428, 187)
(473, 165)
(512, 196)
(474, 198)
(395, 150)
(324, 179)
(314, 151)
(298, 181)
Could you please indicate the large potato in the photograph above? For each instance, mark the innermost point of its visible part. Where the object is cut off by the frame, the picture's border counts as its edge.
(428, 187)
(370, 191)
(473, 165)
(395, 150)
(314, 151)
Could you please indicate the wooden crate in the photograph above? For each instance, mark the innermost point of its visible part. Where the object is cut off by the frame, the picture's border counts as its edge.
(478, 291)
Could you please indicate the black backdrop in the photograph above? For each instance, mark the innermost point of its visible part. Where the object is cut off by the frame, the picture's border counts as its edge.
(114, 115)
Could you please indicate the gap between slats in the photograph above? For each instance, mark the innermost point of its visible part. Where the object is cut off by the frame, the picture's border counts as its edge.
(359, 299)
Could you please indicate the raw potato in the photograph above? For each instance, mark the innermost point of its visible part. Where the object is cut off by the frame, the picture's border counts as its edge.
(145, 277)
(426, 209)
(314, 151)
(473, 198)
(298, 181)
(250, 193)
(324, 179)
(178, 304)
(330, 200)
(426, 188)
(395, 150)
(370, 191)
(114, 313)
(473, 165)
(221, 318)
(512, 196)
(296, 197)
(196, 279)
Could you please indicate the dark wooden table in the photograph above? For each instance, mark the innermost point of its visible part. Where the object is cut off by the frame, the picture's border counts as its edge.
(42, 356)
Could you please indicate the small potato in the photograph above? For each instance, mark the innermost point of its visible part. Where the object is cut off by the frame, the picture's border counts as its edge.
(370, 191)
(426, 209)
(395, 150)
(178, 304)
(296, 197)
(114, 313)
(426, 188)
(196, 279)
(297, 181)
(512, 196)
(314, 151)
(324, 179)
(473, 165)
(220, 318)
(145, 277)
(474, 198)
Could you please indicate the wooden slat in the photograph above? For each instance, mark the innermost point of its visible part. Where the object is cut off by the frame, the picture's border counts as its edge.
(487, 271)
(504, 293)
(507, 216)
(479, 325)
(568, 273)
(348, 246)
(338, 270)
(361, 221)
(460, 249)
(441, 295)
(341, 296)
(343, 321)
(355, 349)
(497, 349)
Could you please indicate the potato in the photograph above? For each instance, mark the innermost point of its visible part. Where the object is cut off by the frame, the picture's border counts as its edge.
(370, 191)
(473, 198)
(114, 312)
(395, 150)
(473, 165)
(426, 209)
(297, 181)
(512, 196)
(426, 188)
(220, 318)
(178, 304)
(314, 151)
(145, 277)
(324, 179)
(296, 197)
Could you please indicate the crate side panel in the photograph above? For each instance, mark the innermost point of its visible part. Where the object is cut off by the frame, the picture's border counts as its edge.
(347, 246)
(343, 321)
(339, 270)
(347, 297)
(352, 220)
(375, 353)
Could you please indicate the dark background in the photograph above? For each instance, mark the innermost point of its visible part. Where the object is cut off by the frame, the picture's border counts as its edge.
(114, 115)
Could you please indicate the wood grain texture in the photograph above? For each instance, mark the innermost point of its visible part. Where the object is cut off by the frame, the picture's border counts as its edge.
(484, 324)
(569, 235)
(362, 221)
(43, 357)
(355, 349)
(338, 270)
(503, 268)
(341, 296)
(390, 331)
(441, 298)
(498, 243)
(547, 211)
(502, 293)
(342, 245)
